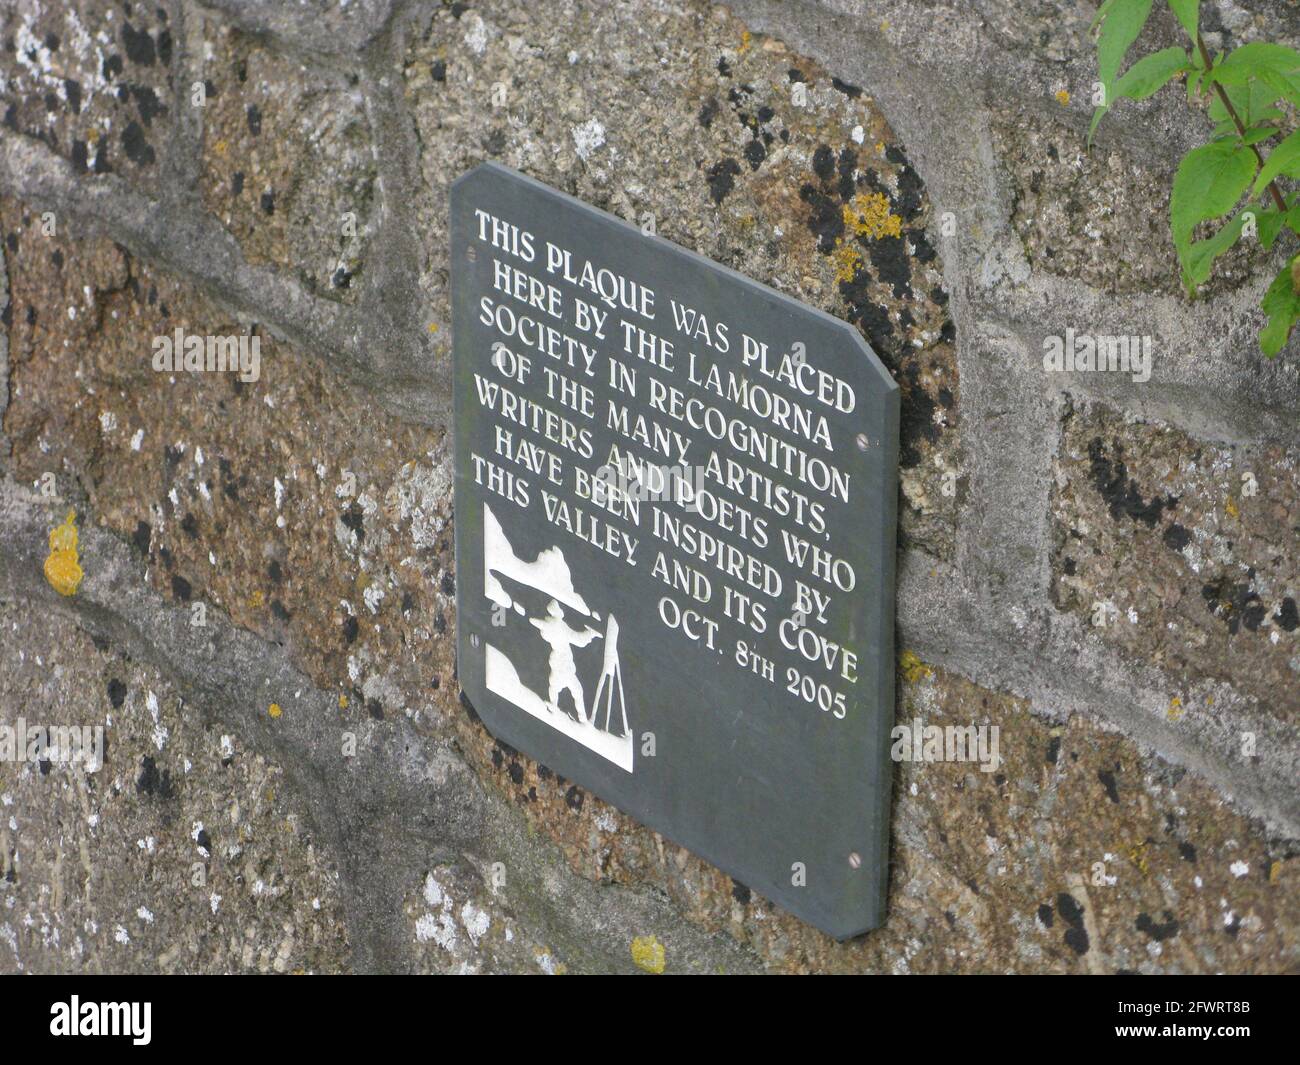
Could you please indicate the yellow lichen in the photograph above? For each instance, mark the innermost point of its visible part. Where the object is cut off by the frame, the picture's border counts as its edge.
(343, 701)
(433, 327)
(847, 259)
(256, 600)
(1231, 507)
(648, 953)
(275, 710)
(867, 215)
(746, 39)
(1063, 98)
(912, 668)
(62, 565)
(1138, 856)
(1175, 710)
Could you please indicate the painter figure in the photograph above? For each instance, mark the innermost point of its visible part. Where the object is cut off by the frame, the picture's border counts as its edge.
(564, 671)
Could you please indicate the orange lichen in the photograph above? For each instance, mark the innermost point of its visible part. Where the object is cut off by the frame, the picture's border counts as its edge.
(912, 668)
(847, 259)
(63, 566)
(867, 215)
(648, 953)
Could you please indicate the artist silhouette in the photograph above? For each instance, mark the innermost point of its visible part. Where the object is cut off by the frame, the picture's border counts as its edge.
(563, 639)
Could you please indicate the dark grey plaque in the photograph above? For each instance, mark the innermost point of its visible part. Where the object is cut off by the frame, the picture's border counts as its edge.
(676, 493)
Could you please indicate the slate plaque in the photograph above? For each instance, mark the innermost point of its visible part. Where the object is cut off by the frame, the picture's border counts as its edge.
(676, 495)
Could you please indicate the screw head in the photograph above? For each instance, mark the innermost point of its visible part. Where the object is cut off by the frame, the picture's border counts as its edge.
(473, 640)
(855, 860)
(471, 253)
(863, 442)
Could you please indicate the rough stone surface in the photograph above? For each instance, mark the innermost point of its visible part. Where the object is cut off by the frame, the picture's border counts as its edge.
(91, 81)
(185, 852)
(1183, 553)
(287, 162)
(1083, 563)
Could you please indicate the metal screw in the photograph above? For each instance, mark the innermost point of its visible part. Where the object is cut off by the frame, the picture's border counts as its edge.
(863, 442)
(471, 253)
(855, 860)
(473, 640)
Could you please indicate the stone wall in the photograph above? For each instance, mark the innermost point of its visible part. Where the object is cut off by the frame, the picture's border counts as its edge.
(294, 785)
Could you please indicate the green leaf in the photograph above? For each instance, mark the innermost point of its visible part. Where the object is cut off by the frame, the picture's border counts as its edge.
(1121, 22)
(1149, 74)
(1255, 60)
(1209, 182)
(1268, 224)
(1186, 11)
(1253, 103)
(1284, 159)
(1259, 133)
(1286, 86)
(1282, 305)
(1201, 255)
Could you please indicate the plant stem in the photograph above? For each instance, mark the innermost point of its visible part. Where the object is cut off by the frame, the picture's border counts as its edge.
(1236, 119)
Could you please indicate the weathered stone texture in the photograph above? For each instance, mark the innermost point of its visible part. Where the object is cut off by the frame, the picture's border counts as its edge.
(186, 852)
(1184, 553)
(288, 167)
(91, 80)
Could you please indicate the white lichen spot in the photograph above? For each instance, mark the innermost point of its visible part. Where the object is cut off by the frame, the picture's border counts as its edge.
(144, 915)
(1239, 868)
(107, 421)
(433, 893)
(137, 440)
(476, 35)
(476, 921)
(122, 936)
(588, 137)
(858, 134)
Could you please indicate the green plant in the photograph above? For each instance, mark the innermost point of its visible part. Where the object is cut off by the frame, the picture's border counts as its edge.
(1244, 88)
